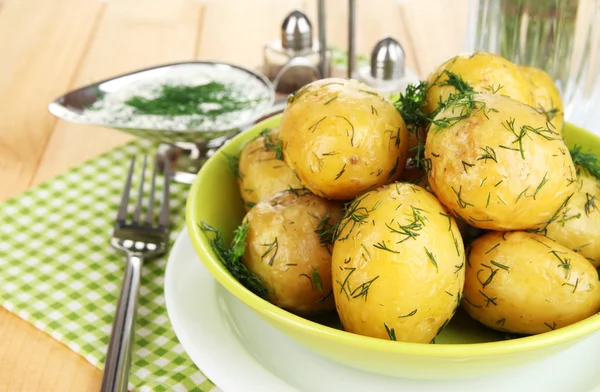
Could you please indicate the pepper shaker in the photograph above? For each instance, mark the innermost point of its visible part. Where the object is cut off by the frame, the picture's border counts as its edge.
(293, 61)
(387, 72)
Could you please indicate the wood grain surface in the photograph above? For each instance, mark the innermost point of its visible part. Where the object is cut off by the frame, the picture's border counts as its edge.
(48, 47)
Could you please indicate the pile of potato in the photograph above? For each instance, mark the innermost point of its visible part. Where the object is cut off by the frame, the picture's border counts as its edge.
(341, 218)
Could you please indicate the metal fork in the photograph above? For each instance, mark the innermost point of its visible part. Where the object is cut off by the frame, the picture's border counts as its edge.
(139, 240)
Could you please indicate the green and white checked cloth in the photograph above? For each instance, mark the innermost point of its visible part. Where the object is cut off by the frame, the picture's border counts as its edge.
(58, 271)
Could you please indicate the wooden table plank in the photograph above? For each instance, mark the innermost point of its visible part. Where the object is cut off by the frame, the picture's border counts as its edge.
(236, 31)
(32, 361)
(134, 34)
(41, 50)
(436, 29)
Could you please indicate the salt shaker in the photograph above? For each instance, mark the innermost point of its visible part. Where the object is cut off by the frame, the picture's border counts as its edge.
(387, 72)
(292, 61)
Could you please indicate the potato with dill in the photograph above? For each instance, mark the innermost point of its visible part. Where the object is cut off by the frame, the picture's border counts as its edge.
(483, 72)
(546, 96)
(526, 283)
(577, 226)
(497, 163)
(398, 265)
(262, 171)
(342, 138)
(288, 247)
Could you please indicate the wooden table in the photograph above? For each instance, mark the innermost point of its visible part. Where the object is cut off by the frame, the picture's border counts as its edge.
(49, 47)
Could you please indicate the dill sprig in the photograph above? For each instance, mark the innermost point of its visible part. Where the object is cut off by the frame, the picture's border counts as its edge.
(354, 215)
(272, 144)
(325, 229)
(390, 331)
(411, 105)
(588, 161)
(462, 101)
(271, 251)
(231, 256)
(234, 163)
(419, 158)
(210, 100)
(457, 82)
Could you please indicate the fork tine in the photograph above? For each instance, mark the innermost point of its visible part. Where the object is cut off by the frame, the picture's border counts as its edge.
(163, 217)
(138, 202)
(122, 214)
(149, 213)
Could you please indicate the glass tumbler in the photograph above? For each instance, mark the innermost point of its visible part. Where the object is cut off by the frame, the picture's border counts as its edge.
(562, 37)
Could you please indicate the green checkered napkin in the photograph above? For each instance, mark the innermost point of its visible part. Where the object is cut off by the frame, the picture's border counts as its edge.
(58, 271)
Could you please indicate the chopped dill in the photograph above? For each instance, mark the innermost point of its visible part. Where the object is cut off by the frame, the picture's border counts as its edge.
(411, 105)
(349, 132)
(325, 230)
(316, 279)
(314, 127)
(330, 100)
(588, 161)
(504, 267)
(231, 256)
(564, 263)
(488, 300)
(364, 289)
(340, 172)
(493, 273)
(466, 165)
(381, 245)
(390, 331)
(355, 214)
(590, 204)
(409, 314)
(488, 153)
(271, 144)
(209, 100)
(271, 251)
(461, 202)
(431, 258)
(234, 163)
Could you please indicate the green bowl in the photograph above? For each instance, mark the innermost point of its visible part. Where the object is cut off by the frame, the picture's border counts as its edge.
(464, 347)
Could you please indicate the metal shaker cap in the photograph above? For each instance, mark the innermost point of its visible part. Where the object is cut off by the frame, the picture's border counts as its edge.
(387, 60)
(296, 32)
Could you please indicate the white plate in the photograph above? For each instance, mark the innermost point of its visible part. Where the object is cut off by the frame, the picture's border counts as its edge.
(239, 351)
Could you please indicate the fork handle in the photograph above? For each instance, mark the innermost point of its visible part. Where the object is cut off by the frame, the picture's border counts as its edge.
(118, 358)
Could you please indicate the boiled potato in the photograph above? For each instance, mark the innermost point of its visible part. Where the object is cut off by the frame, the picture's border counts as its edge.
(261, 173)
(398, 265)
(286, 248)
(526, 283)
(545, 95)
(577, 226)
(497, 164)
(342, 138)
(485, 72)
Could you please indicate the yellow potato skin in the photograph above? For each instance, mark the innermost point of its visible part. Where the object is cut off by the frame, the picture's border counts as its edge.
(492, 177)
(526, 283)
(342, 138)
(401, 288)
(545, 95)
(484, 72)
(578, 225)
(285, 252)
(261, 174)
